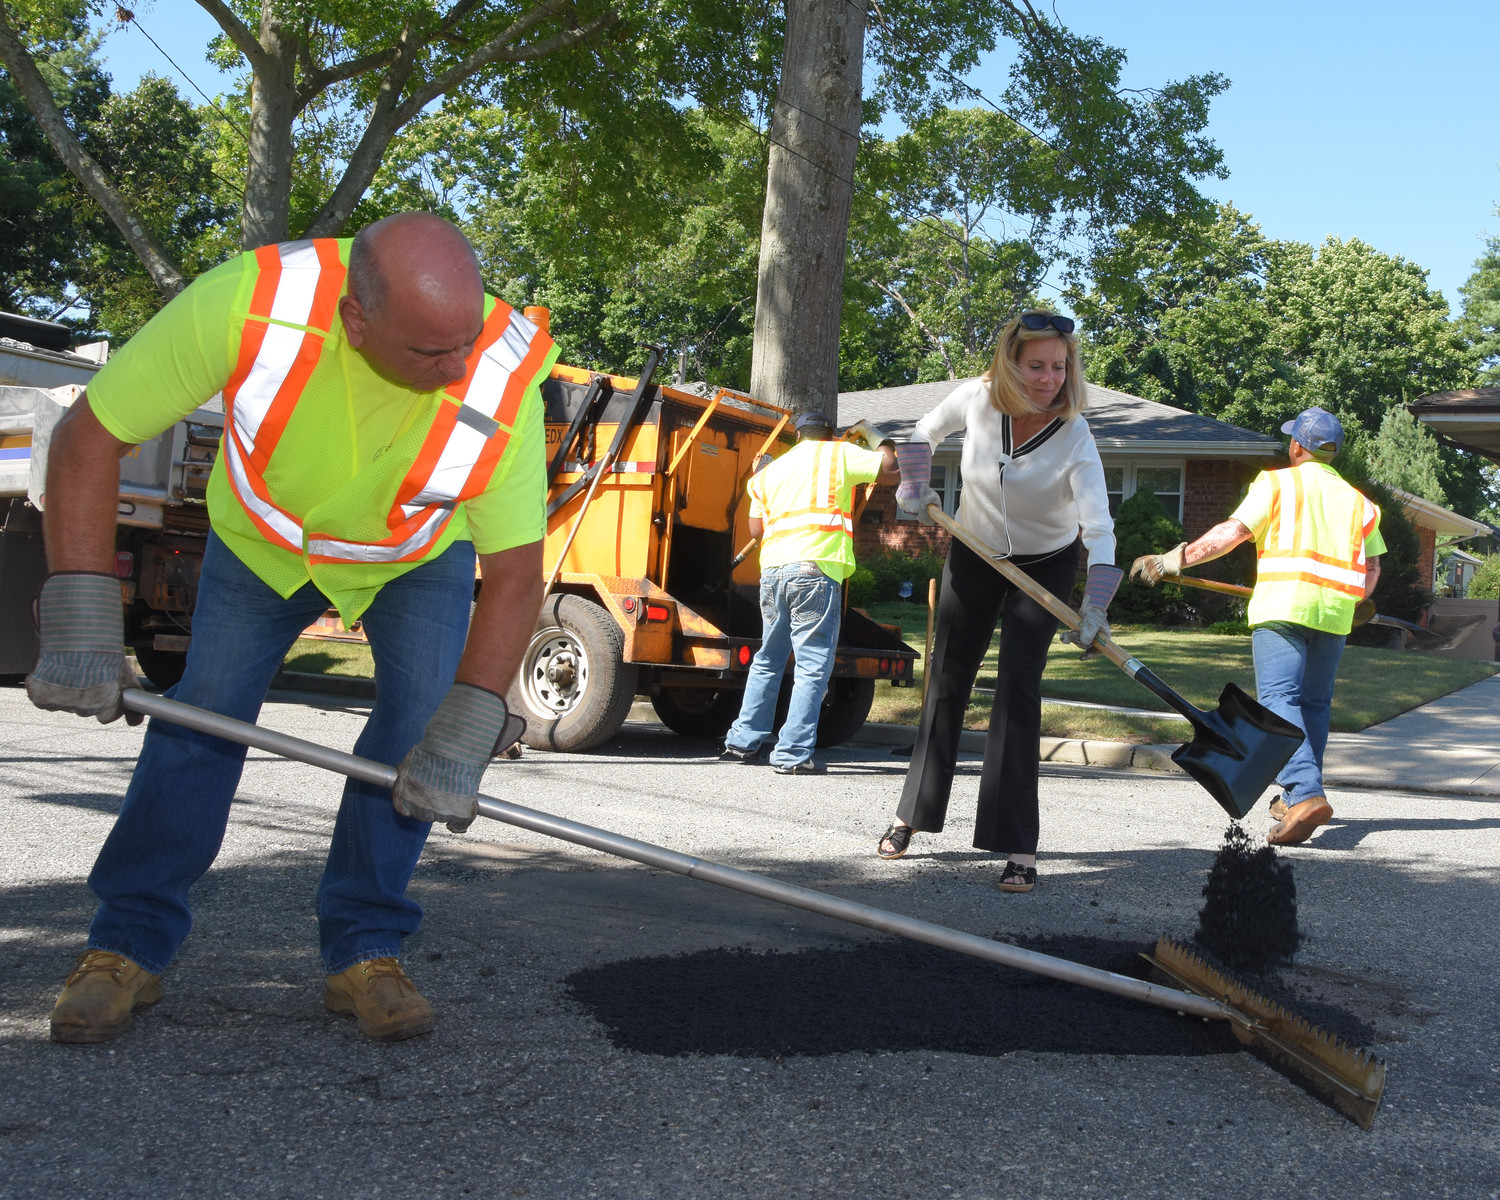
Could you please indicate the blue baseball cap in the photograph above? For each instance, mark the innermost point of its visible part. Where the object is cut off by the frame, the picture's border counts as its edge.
(822, 420)
(1316, 429)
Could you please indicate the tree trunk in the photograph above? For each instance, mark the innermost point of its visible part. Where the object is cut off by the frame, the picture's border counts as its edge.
(805, 224)
(273, 102)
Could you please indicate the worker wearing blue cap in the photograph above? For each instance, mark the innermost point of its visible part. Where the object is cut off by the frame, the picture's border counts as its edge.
(801, 509)
(1318, 544)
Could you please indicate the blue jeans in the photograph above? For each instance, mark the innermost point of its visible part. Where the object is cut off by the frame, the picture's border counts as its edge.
(1294, 673)
(800, 611)
(172, 821)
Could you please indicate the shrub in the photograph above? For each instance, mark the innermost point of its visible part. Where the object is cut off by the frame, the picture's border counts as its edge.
(880, 576)
(1486, 582)
(1143, 526)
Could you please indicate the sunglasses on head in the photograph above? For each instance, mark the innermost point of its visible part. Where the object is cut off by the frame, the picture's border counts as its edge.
(1042, 320)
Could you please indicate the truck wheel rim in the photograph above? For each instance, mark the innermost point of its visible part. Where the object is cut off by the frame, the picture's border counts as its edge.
(555, 673)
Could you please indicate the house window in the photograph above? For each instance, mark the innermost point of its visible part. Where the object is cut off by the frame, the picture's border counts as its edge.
(1124, 480)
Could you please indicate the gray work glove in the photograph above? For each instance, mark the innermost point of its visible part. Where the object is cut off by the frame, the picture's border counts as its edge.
(866, 435)
(81, 667)
(1150, 568)
(1098, 591)
(439, 779)
(914, 493)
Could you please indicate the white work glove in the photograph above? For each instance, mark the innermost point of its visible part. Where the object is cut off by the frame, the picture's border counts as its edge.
(1093, 623)
(439, 779)
(866, 435)
(1149, 568)
(914, 493)
(81, 667)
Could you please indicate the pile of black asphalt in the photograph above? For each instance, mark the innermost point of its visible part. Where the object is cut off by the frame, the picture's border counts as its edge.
(885, 995)
(1249, 915)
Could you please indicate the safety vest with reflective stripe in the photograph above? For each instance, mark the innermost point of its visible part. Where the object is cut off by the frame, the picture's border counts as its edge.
(299, 284)
(804, 499)
(1311, 568)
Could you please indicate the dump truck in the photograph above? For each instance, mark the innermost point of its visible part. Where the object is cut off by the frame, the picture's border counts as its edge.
(648, 595)
(646, 506)
(162, 518)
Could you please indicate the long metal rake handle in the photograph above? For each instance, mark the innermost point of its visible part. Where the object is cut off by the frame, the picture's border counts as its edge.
(651, 855)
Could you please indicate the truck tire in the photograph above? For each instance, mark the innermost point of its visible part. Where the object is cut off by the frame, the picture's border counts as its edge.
(697, 712)
(846, 705)
(162, 667)
(574, 687)
(845, 709)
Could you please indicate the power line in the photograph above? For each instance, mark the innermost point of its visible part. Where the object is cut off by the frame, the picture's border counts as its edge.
(126, 17)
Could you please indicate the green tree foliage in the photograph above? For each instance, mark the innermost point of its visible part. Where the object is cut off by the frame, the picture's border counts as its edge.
(1486, 582)
(1481, 315)
(42, 226)
(1143, 526)
(1405, 455)
(1222, 321)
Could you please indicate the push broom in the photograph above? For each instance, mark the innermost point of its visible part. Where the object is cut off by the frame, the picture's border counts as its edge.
(1348, 1079)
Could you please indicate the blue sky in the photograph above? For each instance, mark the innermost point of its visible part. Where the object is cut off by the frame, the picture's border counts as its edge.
(1354, 119)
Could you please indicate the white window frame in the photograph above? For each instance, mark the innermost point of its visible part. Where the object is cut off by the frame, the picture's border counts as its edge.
(1131, 466)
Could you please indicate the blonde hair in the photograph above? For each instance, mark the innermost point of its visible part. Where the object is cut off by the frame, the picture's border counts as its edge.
(1004, 376)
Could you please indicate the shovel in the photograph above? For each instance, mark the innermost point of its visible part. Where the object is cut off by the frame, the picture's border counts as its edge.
(1237, 750)
(1348, 1079)
(1421, 639)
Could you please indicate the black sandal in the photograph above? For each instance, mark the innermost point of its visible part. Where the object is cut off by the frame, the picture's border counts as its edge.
(899, 837)
(1017, 878)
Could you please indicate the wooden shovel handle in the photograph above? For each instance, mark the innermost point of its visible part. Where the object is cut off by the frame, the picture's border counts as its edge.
(1208, 585)
(1062, 611)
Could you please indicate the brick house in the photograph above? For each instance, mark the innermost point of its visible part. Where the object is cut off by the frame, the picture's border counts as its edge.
(1198, 467)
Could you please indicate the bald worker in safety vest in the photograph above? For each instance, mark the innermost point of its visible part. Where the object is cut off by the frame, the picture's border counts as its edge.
(1318, 544)
(801, 510)
(383, 424)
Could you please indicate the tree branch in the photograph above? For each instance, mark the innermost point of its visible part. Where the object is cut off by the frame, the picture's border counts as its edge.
(238, 32)
(497, 50)
(918, 322)
(164, 273)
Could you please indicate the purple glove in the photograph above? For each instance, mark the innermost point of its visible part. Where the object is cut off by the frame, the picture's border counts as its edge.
(914, 493)
(1092, 622)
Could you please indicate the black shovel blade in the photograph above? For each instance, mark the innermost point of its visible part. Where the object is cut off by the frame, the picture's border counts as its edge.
(1237, 750)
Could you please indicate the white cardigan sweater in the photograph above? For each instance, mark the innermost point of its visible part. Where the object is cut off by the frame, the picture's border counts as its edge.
(1051, 489)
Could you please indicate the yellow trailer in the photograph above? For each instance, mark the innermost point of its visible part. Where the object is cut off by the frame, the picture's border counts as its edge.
(646, 509)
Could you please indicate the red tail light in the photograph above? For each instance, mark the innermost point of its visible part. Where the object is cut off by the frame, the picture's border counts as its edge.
(124, 564)
(657, 612)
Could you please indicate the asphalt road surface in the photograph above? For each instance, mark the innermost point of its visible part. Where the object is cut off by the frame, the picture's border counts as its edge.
(610, 1030)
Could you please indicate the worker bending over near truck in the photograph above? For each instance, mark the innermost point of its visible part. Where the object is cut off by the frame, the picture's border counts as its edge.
(383, 424)
(1318, 545)
(801, 510)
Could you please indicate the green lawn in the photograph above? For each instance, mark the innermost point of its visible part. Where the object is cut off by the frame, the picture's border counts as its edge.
(1373, 685)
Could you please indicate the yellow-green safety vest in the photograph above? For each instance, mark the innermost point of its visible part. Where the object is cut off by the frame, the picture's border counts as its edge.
(392, 514)
(1311, 567)
(805, 501)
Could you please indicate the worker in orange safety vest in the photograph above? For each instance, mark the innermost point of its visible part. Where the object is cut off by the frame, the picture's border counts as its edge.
(1318, 545)
(383, 424)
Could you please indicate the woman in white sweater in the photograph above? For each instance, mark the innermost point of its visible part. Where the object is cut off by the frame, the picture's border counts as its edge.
(1033, 490)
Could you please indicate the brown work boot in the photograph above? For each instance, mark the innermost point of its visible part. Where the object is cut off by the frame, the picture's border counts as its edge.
(101, 996)
(380, 996)
(1300, 821)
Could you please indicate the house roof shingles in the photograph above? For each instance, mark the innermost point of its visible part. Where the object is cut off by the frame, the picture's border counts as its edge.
(1119, 421)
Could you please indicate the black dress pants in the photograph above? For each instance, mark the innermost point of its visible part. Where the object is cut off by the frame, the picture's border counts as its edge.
(974, 596)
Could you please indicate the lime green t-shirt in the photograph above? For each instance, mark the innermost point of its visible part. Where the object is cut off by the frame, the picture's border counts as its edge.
(186, 354)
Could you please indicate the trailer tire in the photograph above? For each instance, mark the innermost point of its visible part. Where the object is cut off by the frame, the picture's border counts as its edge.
(574, 687)
(698, 712)
(162, 667)
(845, 708)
